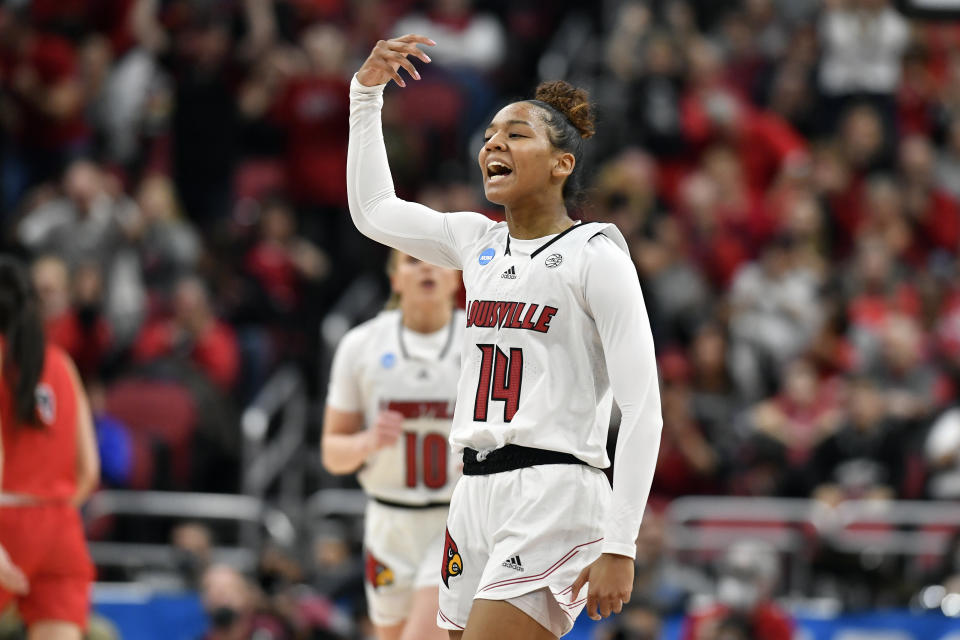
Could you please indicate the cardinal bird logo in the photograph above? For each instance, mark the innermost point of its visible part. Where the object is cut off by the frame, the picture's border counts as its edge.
(452, 564)
(378, 574)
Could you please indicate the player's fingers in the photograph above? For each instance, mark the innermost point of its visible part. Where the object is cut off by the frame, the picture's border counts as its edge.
(625, 596)
(578, 584)
(396, 77)
(592, 607)
(603, 606)
(406, 64)
(409, 50)
(394, 417)
(617, 605)
(412, 37)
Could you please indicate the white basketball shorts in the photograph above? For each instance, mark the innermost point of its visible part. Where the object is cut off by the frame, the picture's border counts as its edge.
(523, 536)
(402, 549)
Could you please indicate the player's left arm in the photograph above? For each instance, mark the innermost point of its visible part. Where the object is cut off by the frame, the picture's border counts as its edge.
(88, 457)
(612, 294)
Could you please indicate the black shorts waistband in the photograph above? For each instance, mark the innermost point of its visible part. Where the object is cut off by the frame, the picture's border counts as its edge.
(510, 457)
(403, 505)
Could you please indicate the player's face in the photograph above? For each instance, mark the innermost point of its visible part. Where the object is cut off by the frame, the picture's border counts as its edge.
(517, 158)
(418, 281)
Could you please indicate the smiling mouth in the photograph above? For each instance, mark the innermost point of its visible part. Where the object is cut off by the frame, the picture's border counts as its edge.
(497, 171)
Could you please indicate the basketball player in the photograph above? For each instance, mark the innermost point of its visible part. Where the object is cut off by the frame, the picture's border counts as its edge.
(48, 466)
(555, 322)
(392, 391)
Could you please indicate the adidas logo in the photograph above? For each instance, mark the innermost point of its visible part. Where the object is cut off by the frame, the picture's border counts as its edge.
(510, 274)
(513, 563)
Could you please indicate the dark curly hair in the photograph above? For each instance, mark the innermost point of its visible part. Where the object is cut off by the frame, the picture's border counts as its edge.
(570, 119)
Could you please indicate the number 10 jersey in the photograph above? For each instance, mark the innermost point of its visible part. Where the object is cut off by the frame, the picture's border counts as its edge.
(374, 370)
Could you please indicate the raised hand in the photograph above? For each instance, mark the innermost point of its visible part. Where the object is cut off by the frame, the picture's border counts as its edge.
(384, 62)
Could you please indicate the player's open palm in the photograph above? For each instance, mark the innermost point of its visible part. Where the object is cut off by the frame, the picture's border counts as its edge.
(11, 578)
(384, 62)
(611, 582)
(386, 429)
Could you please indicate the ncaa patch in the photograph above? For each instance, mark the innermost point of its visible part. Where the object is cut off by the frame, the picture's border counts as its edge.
(46, 403)
(387, 360)
(553, 260)
(377, 573)
(487, 256)
(452, 563)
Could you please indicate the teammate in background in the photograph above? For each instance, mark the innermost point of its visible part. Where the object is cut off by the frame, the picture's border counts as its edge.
(48, 467)
(389, 406)
(555, 322)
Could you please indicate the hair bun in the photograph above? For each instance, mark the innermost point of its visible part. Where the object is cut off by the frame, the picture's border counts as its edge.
(571, 101)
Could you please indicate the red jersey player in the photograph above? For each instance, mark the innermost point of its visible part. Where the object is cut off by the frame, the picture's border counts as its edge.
(48, 466)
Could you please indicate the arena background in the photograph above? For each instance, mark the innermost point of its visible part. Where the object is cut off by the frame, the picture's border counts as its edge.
(787, 173)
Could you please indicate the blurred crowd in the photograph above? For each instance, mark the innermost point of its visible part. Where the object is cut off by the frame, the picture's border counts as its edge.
(786, 172)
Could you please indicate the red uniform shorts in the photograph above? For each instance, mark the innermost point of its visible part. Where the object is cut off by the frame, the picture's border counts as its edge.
(46, 542)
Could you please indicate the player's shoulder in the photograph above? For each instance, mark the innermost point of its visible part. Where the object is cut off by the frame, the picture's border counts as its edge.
(367, 331)
(605, 236)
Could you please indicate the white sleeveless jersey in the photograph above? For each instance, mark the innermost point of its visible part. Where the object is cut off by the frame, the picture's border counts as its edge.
(419, 468)
(534, 372)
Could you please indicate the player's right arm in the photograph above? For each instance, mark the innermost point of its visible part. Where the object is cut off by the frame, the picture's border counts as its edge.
(346, 442)
(11, 577)
(376, 210)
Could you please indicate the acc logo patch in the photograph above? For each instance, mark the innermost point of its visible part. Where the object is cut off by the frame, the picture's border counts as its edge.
(452, 563)
(46, 403)
(553, 260)
(487, 256)
(387, 360)
(377, 573)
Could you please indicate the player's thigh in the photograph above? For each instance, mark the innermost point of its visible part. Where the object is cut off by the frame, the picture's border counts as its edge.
(422, 623)
(392, 632)
(455, 635)
(500, 620)
(54, 630)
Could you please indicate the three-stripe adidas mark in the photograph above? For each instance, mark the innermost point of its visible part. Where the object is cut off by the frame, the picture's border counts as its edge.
(510, 274)
(513, 563)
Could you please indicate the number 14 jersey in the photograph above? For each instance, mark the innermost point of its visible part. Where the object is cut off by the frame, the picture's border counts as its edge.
(533, 363)
(380, 366)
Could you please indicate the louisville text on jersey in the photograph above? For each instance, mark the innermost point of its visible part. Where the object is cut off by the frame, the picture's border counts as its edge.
(440, 410)
(505, 314)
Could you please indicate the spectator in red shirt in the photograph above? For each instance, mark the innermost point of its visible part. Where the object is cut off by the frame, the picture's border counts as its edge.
(748, 577)
(43, 101)
(313, 108)
(281, 261)
(804, 412)
(713, 113)
(193, 333)
(72, 319)
(932, 210)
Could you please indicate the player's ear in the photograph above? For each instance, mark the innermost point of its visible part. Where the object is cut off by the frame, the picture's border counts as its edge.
(563, 165)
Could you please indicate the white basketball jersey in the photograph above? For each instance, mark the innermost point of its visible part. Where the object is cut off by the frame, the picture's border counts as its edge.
(534, 372)
(419, 468)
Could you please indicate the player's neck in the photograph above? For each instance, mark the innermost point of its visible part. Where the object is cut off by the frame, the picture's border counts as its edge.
(426, 317)
(536, 221)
